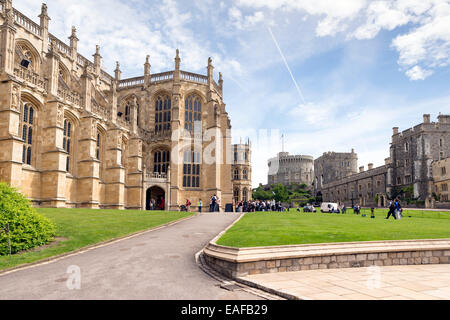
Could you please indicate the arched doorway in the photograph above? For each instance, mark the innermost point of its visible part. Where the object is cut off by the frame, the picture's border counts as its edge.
(155, 199)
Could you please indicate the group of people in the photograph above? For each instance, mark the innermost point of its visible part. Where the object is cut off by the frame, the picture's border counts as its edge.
(395, 209)
(214, 204)
(158, 204)
(259, 206)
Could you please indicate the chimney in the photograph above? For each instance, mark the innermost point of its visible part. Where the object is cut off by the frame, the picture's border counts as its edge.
(426, 118)
(361, 169)
(370, 166)
(395, 130)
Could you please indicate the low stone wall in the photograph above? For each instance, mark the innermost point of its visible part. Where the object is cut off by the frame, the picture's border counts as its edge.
(234, 263)
(442, 205)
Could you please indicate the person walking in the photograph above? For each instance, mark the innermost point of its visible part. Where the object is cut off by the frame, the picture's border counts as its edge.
(200, 205)
(398, 208)
(188, 205)
(391, 210)
(213, 203)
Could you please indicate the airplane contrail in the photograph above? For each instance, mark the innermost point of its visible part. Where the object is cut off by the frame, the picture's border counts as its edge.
(287, 65)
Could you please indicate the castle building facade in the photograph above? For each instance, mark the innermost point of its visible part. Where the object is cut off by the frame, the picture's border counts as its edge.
(413, 152)
(289, 169)
(242, 172)
(441, 180)
(71, 135)
(332, 166)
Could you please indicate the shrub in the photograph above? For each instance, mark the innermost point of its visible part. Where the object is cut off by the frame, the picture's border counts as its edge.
(28, 228)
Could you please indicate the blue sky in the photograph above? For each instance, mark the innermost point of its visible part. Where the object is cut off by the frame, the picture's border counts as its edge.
(362, 67)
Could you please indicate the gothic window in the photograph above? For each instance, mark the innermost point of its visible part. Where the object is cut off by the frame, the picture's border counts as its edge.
(67, 142)
(27, 132)
(191, 169)
(98, 146)
(192, 113)
(244, 195)
(161, 161)
(162, 113)
(138, 110)
(236, 174)
(24, 57)
(244, 174)
(99, 151)
(236, 195)
(127, 112)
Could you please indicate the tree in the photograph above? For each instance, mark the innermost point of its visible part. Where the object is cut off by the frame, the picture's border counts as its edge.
(261, 194)
(280, 193)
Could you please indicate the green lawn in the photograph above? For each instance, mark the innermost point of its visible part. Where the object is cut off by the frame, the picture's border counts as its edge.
(83, 227)
(271, 229)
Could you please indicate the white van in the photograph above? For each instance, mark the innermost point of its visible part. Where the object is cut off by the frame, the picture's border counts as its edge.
(328, 206)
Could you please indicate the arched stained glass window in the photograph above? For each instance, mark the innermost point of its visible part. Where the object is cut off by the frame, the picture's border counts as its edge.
(67, 142)
(27, 132)
(162, 113)
(192, 112)
(161, 161)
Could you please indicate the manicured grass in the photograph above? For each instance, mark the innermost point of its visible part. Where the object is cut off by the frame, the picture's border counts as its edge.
(83, 227)
(271, 229)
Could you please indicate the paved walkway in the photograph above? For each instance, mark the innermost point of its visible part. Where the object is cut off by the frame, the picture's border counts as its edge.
(419, 282)
(155, 265)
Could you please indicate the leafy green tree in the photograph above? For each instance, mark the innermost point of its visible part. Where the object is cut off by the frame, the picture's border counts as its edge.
(280, 193)
(261, 194)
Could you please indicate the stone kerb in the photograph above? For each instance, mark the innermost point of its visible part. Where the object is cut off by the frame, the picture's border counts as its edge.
(239, 262)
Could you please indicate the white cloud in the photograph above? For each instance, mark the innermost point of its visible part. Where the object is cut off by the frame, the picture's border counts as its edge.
(424, 46)
(417, 73)
(241, 22)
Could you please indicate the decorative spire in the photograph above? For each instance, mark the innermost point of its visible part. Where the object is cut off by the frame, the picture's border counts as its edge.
(117, 72)
(220, 79)
(210, 70)
(147, 65)
(44, 16)
(44, 10)
(177, 60)
(74, 33)
(74, 41)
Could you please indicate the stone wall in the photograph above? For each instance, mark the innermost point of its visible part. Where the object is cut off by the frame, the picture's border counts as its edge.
(234, 269)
